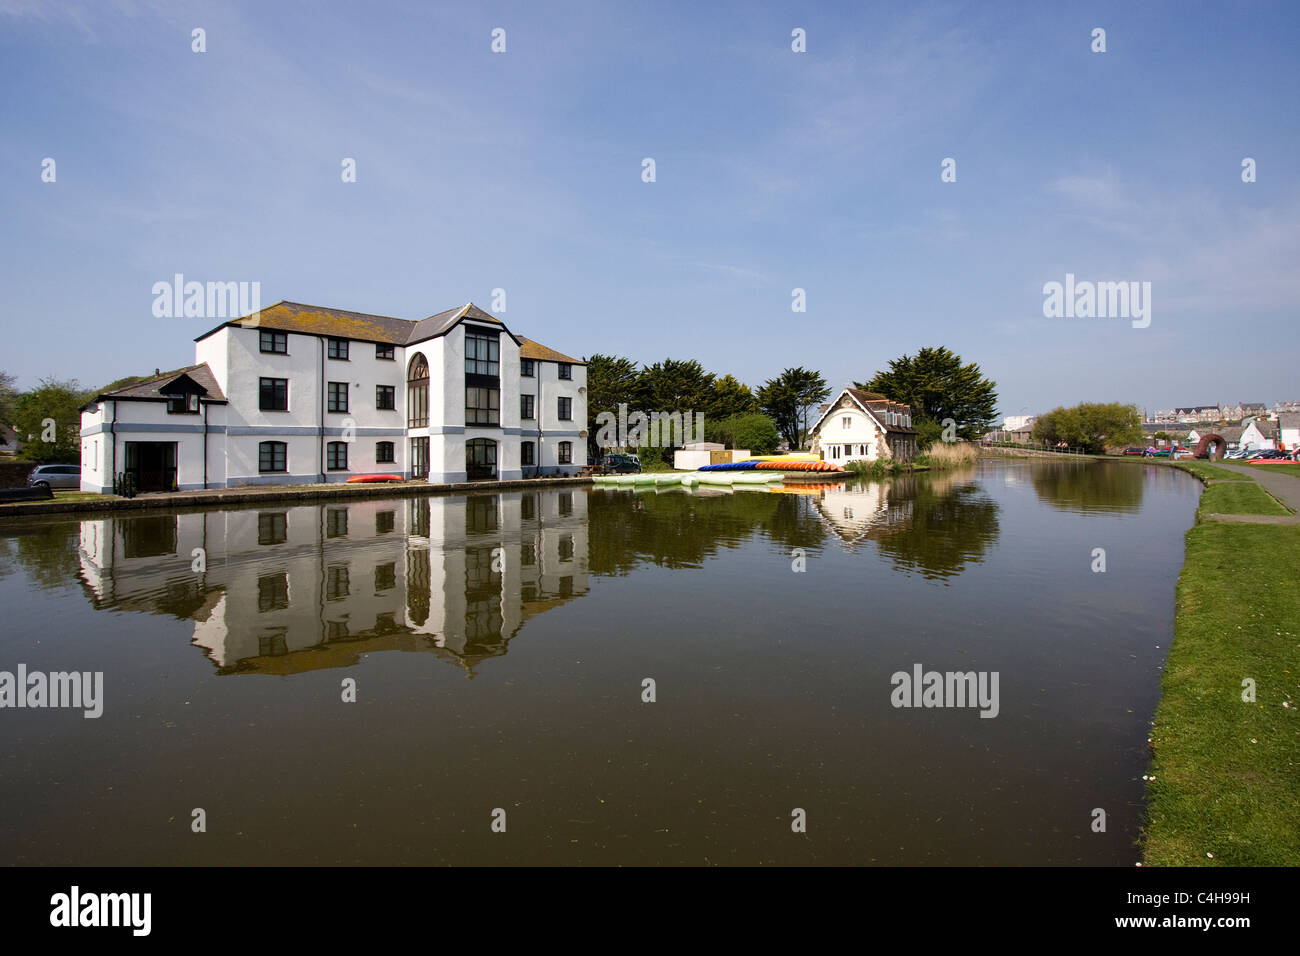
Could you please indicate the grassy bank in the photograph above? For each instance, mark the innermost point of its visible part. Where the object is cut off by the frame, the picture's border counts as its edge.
(1207, 472)
(1226, 772)
(1238, 498)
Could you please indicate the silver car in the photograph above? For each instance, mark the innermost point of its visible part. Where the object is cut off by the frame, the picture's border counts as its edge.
(55, 476)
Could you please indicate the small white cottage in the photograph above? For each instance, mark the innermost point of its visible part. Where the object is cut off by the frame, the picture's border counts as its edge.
(864, 426)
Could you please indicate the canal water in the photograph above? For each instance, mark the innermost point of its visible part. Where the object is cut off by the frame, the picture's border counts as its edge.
(502, 650)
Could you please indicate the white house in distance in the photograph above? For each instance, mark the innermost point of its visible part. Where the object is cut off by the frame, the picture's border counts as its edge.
(300, 394)
(1260, 434)
(864, 426)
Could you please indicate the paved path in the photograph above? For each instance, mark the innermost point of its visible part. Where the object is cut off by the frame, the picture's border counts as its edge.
(1283, 486)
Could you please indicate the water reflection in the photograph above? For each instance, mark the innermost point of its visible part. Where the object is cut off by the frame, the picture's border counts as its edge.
(1092, 487)
(933, 525)
(296, 589)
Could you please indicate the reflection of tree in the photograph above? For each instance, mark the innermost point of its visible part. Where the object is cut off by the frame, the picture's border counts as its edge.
(678, 530)
(1097, 486)
(948, 529)
(48, 552)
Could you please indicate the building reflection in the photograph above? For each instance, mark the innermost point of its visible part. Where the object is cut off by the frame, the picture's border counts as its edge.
(293, 589)
(932, 524)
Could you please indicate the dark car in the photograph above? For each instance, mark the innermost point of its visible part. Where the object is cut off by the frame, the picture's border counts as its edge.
(620, 465)
(55, 476)
(1135, 451)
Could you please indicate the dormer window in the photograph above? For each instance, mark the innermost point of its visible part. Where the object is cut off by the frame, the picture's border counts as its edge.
(183, 404)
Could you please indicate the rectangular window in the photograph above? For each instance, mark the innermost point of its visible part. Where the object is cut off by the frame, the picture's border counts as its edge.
(277, 342)
(566, 547)
(272, 456)
(336, 523)
(526, 368)
(338, 397)
(526, 453)
(526, 406)
(272, 592)
(336, 456)
(566, 409)
(386, 397)
(385, 521)
(384, 452)
(482, 406)
(481, 353)
(272, 527)
(337, 585)
(386, 576)
(566, 453)
(337, 349)
(566, 370)
(183, 404)
(273, 394)
(846, 421)
(384, 352)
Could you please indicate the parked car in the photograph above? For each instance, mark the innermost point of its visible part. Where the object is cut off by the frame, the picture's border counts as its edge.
(620, 465)
(55, 476)
(1271, 454)
(1135, 451)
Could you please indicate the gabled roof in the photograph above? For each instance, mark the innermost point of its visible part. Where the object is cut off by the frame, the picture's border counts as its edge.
(317, 320)
(538, 352)
(360, 326)
(1266, 428)
(1289, 419)
(158, 387)
(873, 404)
(1226, 432)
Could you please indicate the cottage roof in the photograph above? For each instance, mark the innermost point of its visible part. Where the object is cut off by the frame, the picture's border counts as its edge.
(874, 404)
(158, 387)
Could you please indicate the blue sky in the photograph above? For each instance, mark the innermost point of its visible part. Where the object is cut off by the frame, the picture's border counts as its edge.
(775, 170)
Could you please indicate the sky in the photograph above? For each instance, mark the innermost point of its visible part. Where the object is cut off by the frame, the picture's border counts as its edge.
(775, 170)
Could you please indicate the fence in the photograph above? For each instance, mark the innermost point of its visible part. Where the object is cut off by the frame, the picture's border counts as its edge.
(1033, 446)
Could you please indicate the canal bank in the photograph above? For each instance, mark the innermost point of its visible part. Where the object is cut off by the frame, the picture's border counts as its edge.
(302, 494)
(1224, 783)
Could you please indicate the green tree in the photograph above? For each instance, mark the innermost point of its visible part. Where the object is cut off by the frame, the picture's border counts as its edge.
(611, 381)
(8, 395)
(938, 386)
(754, 431)
(56, 401)
(789, 398)
(1093, 426)
(730, 397)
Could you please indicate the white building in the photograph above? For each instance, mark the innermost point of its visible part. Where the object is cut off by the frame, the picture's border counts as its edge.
(864, 426)
(1260, 434)
(301, 394)
(1288, 424)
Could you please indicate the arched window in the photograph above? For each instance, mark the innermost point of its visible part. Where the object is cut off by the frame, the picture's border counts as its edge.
(417, 392)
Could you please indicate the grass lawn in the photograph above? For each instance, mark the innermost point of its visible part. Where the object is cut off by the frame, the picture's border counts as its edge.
(1239, 498)
(1210, 472)
(1226, 773)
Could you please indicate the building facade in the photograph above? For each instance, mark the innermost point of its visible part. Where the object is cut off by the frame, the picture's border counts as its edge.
(298, 394)
(864, 426)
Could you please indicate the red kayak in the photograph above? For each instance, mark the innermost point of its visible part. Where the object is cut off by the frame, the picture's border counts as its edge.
(367, 479)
